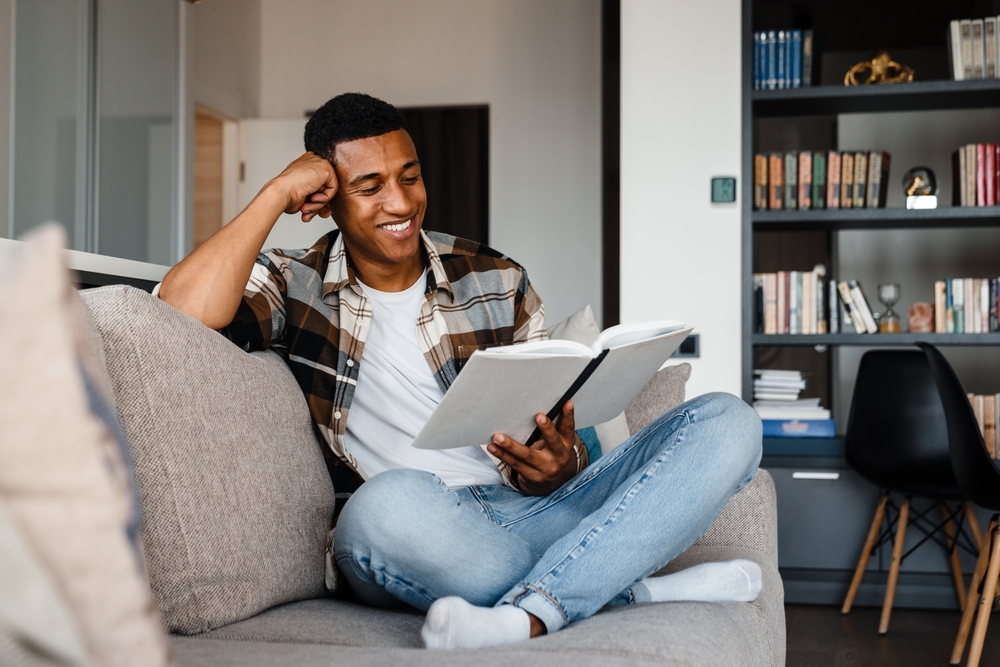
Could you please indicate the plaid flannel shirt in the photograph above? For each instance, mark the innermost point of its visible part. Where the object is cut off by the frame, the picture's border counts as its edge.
(308, 306)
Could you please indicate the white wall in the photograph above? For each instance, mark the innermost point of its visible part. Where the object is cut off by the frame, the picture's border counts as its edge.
(680, 121)
(6, 68)
(536, 63)
(225, 54)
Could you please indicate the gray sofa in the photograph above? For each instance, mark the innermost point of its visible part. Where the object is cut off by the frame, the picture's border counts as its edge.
(236, 504)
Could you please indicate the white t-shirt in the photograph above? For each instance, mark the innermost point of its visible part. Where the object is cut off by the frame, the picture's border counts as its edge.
(396, 394)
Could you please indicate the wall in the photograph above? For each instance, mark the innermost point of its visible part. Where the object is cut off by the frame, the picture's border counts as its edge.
(537, 64)
(225, 52)
(680, 120)
(6, 33)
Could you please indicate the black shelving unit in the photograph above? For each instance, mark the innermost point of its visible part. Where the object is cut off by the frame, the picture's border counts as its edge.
(954, 340)
(876, 218)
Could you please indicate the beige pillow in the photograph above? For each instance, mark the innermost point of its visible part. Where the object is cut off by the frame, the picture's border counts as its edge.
(63, 476)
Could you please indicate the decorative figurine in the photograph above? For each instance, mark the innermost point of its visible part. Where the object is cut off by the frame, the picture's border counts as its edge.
(881, 69)
(921, 317)
(921, 188)
(888, 294)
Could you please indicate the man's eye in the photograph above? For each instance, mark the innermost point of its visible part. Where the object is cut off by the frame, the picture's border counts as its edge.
(371, 190)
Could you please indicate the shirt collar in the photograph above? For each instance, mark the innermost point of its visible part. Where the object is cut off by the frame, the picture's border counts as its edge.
(340, 273)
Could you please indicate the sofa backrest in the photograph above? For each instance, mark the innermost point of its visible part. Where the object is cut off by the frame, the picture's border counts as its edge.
(236, 498)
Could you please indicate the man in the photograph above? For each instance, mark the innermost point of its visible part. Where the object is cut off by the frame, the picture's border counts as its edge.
(497, 542)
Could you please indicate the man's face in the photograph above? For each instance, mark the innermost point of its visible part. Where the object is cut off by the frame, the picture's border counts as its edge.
(381, 200)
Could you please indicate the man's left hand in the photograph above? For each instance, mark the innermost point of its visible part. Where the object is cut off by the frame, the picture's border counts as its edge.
(547, 463)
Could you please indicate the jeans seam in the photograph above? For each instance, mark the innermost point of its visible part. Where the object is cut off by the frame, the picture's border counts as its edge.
(487, 508)
(529, 588)
(387, 576)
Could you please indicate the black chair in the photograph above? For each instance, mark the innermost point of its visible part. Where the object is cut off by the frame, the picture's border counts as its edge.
(898, 440)
(979, 478)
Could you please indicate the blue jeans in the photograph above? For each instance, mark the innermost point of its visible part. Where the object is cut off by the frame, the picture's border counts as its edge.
(406, 537)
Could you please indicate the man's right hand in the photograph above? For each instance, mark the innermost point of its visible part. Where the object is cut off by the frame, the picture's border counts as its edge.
(308, 184)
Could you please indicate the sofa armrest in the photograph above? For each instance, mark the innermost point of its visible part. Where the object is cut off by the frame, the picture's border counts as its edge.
(749, 520)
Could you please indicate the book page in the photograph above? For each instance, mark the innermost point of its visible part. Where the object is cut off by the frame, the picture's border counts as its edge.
(625, 334)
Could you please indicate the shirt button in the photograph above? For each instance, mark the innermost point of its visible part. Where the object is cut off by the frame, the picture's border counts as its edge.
(336, 415)
(350, 363)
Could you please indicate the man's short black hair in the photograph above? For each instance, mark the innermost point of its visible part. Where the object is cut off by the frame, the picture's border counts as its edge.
(348, 117)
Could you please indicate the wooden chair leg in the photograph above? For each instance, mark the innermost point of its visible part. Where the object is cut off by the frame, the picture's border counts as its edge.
(954, 557)
(897, 558)
(986, 603)
(973, 599)
(866, 555)
(970, 516)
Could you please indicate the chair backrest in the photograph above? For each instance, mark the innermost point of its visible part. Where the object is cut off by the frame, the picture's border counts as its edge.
(977, 473)
(896, 433)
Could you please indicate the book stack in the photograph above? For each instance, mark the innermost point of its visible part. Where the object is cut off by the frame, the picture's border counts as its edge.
(821, 179)
(783, 413)
(966, 305)
(974, 49)
(782, 59)
(987, 408)
(976, 175)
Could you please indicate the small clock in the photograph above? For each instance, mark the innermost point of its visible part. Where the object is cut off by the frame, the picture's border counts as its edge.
(723, 190)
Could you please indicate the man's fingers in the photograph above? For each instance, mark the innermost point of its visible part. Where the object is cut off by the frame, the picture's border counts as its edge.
(551, 439)
(567, 420)
(511, 451)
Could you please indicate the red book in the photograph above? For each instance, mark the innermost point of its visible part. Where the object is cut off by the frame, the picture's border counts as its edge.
(990, 175)
(980, 174)
(996, 165)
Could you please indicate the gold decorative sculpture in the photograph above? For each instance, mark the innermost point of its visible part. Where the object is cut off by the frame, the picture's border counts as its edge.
(881, 69)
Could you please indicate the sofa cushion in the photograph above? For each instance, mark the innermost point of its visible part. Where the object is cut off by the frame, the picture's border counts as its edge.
(665, 391)
(65, 485)
(235, 495)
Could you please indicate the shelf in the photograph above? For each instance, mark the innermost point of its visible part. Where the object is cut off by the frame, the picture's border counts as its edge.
(760, 340)
(948, 217)
(916, 96)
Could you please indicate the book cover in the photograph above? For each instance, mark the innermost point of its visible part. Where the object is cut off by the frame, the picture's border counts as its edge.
(805, 179)
(819, 281)
(808, 313)
(846, 179)
(878, 179)
(758, 303)
(939, 307)
(833, 179)
(980, 174)
(760, 181)
(771, 44)
(994, 320)
(819, 180)
(955, 51)
(794, 428)
(775, 180)
(781, 60)
(858, 297)
(796, 58)
(989, 175)
(791, 180)
(958, 177)
(756, 60)
(782, 305)
(990, 47)
(833, 308)
(852, 311)
(949, 296)
(860, 178)
(794, 302)
(807, 57)
(970, 174)
(965, 27)
(974, 321)
(770, 303)
(958, 304)
(996, 150)
(977, 49)
(984, 305)
(968, 306)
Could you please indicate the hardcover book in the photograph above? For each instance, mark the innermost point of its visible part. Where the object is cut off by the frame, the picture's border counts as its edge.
(794, 428)
(846, 180)
(977, 49)
(782, 302)
(970, 174)
(833, 179)
(791, 180)
(807, 57)
(781, 60)
(775, 181)
(939, 307)
(990, 47)
(771, 44)
(955, 51)
(878, 173)
(819, 181)
(501, 389)
(965, 27)
(796, 58)
(860, 178)
(805, 179)
(980, 174)
(759, 181)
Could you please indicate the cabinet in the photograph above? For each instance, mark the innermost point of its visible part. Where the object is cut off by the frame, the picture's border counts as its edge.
(823, 521)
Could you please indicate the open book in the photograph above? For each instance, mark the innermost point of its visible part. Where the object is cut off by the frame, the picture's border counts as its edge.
(501, 389)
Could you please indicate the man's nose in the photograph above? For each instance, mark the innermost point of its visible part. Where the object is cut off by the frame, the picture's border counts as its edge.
(397, 200)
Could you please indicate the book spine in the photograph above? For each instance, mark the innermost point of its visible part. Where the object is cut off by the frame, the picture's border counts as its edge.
(805, 179)
(955, 51)
(794, 428)
(980, 174)
(846, 180)
(969, 306)
(780, 60)
(970, 174)
(782, 309)
(775, 181)
(958, 303)
(795, 302)
(758, 303)
(990, 47)
(965, 27)
(833, 304)
(796, 59)
(772, 64)
(977, 49)
(984, 305)
(862, 304)
(760, 181)
(808, 325)
(939, 307)
(885, 161)
(770, 303)
(958, 177)
(874, 169)
(990, 424)
(994, 321)
(791, 180)
(819, 180)
(975, 317)
(949, 315)
(756, 60)
(807, 57)
(989, 176)
(860, 176)
(833, 179)
(996, 157)
(845, 295)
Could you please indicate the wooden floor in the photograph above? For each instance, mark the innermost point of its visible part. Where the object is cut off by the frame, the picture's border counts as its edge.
(822, 637)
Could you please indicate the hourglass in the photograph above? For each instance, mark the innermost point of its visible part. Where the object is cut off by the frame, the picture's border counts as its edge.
(888, 294)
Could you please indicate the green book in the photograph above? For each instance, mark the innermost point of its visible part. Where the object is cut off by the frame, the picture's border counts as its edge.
(791, 180)
(819, 180)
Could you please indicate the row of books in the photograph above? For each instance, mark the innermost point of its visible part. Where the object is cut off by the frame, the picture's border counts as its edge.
(966, 305)
(804, 302)
(976, 175)
(782, 412)
(974, 49)
(782, 59)
(987, 410)
(821, 179)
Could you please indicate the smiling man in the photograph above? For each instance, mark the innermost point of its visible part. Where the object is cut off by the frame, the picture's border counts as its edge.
(498, 542)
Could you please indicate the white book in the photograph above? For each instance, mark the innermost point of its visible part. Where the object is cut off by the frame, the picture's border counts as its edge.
(990, 47)
(965, 27)
(967, 311)
(775, 396)
(802, 403)
(766, 383)
(984, 305)
(501, 389)
(978, 53)
(793, 413)
(772, 372)
(955, 51)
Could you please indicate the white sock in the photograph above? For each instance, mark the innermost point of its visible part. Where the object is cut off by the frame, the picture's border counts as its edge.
(454, 623)
(732, 581)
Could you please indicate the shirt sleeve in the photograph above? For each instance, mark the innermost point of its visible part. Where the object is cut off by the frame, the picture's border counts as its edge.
(529, 313)
(260, 319)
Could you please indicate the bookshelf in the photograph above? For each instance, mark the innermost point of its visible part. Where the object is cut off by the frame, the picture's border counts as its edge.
(810, 508)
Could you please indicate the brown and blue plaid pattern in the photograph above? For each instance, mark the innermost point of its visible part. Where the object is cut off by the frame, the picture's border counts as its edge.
(308, 306)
